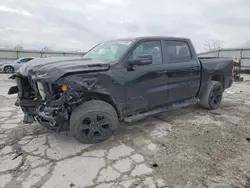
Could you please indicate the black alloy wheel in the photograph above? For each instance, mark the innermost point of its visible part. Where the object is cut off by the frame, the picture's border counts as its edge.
(93, 121)
(96, 127)
(215, 96)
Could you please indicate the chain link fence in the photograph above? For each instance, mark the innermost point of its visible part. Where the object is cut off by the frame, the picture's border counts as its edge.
(243, 54)
(10, 55)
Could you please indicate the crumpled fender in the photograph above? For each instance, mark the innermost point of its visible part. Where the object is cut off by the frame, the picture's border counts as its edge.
(89, 84)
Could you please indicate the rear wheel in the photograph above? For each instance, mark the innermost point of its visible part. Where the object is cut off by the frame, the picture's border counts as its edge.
(93, 121)
(8, 69)
(212, 96)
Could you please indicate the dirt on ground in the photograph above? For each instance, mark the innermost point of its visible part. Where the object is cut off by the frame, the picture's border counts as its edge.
(186, 148)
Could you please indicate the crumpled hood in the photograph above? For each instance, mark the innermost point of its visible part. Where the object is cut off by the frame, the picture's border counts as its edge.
(52, 68)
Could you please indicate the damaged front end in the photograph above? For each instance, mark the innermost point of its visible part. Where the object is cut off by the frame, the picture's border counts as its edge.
(49, 89)
(55, 112)
(51, 104)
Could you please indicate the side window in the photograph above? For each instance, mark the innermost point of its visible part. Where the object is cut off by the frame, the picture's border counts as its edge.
(25, 60)
(177, 52)
(150, 48)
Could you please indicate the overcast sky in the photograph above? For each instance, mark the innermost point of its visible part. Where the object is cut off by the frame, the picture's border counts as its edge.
(80, 24)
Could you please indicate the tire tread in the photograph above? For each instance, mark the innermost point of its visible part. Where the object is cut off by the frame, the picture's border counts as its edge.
(204, 99)
(88, 107)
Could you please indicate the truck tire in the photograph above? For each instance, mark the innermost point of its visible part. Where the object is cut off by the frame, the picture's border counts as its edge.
(93, 122)
(212, 95)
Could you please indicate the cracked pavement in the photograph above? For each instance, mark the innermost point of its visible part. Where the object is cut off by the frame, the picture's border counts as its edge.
(191, 147)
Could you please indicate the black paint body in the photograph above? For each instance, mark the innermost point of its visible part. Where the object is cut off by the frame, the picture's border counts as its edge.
(130, 91)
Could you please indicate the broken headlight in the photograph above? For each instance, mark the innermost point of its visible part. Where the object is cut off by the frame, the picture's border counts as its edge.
(65, 88)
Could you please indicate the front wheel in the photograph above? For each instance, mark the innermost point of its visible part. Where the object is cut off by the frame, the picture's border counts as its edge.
(93, 122)
(8, 69)
(212, 95)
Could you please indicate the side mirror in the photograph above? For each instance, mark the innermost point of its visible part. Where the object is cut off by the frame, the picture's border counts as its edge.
(141, 60)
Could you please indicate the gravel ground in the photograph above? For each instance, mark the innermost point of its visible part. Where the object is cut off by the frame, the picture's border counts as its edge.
(186, 148)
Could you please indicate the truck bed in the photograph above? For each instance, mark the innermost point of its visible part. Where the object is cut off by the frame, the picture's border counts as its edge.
(217, 66)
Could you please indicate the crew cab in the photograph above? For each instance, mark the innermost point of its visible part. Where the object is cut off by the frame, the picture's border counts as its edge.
(118, 80)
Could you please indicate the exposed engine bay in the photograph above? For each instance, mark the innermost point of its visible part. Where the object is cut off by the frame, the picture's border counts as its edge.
(52, 104)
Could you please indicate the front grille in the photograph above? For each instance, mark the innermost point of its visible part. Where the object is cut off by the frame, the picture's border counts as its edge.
(29, 88)
(20, 88)
(30, 81)
(26, 88)
(33, 84)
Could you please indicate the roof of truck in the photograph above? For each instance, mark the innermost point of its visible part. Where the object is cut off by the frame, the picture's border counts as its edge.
(152, 37)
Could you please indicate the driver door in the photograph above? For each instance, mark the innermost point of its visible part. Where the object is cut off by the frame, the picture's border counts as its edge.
(146, 85)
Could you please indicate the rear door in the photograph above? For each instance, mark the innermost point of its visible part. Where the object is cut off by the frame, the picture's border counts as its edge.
(183, 70)
(146, 86)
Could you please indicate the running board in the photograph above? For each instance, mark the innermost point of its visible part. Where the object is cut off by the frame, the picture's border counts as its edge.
(181, 105)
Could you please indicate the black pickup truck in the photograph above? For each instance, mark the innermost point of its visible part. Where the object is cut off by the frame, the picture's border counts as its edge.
(118, 80)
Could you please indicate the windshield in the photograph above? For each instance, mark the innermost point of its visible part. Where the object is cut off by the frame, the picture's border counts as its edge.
(109, 51)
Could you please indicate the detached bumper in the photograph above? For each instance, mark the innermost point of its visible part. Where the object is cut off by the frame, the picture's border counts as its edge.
(52, 117)
(29, 106)
(53, 114)
(55, 118)
(13, 90)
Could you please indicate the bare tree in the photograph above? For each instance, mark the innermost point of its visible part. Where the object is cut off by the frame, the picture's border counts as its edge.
(213, 45)
(46, 49)
(18, 47)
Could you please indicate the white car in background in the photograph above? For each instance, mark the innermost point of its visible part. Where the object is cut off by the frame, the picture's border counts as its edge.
(12, 66)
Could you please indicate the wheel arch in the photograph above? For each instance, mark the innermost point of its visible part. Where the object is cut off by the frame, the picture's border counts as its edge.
(106, 98)
(214, 77)
(219, 78)
(205, 97)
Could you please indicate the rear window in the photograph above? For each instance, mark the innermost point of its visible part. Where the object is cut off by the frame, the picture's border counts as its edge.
(177, 51)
